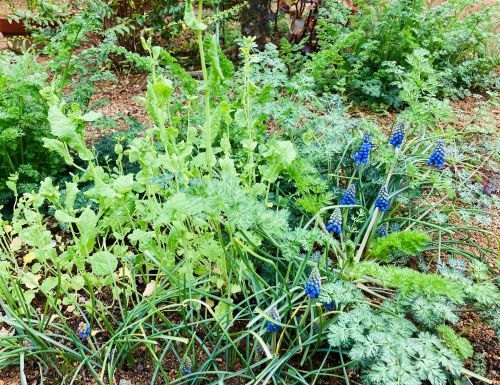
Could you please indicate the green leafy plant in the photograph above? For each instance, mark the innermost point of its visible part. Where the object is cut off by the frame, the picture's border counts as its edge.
(408, 242)
(359, 49)
(460, 345)
(390, 350)
(23, 123)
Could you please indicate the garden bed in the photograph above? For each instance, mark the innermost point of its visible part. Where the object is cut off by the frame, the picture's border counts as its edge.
(274, 220)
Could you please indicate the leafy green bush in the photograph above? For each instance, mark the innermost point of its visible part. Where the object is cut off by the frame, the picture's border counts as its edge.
(23, 124)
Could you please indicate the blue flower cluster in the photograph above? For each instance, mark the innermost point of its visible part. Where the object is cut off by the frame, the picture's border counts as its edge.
(313, 285)
(275, 316)
(83, 330)
(349, 197)
(382, 201)
(186, 366)
(329, 306)
(398, 136)
(437, 157)
(383, 230)
(335, 222)
(364, 152)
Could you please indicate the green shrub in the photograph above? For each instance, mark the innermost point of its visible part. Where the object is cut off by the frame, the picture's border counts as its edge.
(23, 123)
(359, 51)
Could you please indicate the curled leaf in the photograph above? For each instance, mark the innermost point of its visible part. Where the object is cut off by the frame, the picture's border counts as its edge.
(190, 18)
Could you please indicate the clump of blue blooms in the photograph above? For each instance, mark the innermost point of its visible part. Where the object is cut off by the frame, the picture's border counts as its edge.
(382, 201)
(364, 152)
(275, 316)
(186, 366)
(437, 157)
(383, 230)
(83, 330)
(335, 222)
(329, 305)
(349, 197)
(398, 136)
(313, 285)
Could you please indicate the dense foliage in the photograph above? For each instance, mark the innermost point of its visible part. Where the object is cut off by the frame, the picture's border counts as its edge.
(253, 230)
(364, 54)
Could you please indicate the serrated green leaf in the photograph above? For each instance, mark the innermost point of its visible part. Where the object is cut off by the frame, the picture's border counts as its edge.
(103, 263)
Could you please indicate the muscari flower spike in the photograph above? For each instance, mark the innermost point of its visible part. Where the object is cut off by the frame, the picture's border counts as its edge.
(313, 285)
(437, 157)
(349, 197)
(383, 230)
(329, 305)
(83, 330)
(275, 316)
(398, 136)
(382, 201)
(186, 366)
(335, 222)
(364, 152)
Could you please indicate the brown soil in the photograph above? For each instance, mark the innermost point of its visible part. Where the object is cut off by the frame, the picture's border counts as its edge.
(484, 341)
(120, 101)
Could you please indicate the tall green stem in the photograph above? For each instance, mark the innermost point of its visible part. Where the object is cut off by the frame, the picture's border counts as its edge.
(208, 127)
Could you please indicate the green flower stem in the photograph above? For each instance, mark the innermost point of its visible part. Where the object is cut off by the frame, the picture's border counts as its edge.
(368, 231)
(206, 91)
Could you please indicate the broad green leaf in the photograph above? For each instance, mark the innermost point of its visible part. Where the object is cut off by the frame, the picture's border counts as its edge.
(49, 191)
(30, 280)
(223, 313)
(66, 130)
(59, 148)
(101, 190)
(123, 183)
(11, 183)
(87, 226)
(103, 263)
(71, 194)
(279, 156)
(64, 217)
(48, 284)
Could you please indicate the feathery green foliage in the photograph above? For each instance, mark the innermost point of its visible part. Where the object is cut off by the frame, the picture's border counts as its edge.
(408, 242)
(460, 345)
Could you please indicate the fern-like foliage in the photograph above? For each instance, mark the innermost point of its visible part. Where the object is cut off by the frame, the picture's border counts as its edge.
(390, 350)
(409, 281)
(459, 345)
(340, 292)
(428, 312)
(408, 242)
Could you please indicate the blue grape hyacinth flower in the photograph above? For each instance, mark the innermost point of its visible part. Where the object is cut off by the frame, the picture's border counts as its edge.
(275, 316)
(186, 366)
(398, 136)
(83, 330)
(383, 230)
(313, 285)
(329, 305)
(335, 222)
(349, 197)
(437, 157)
(382, 201)
(364, 152)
